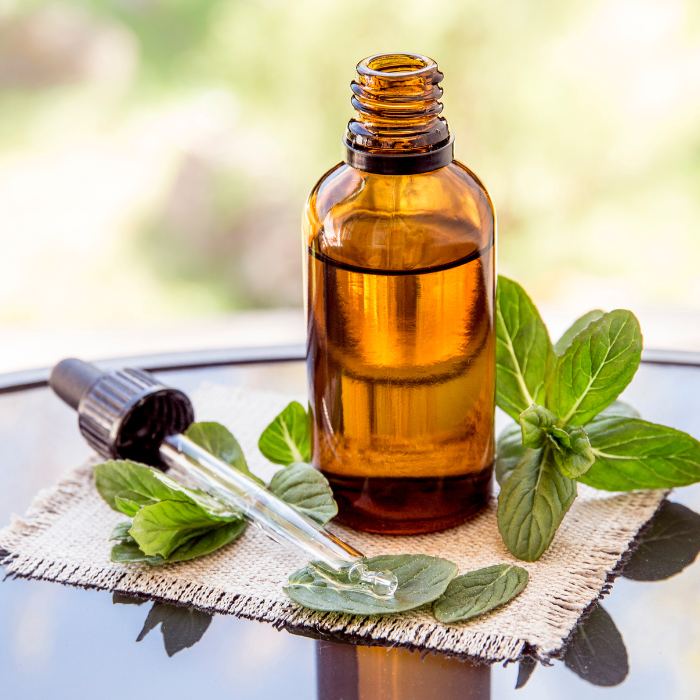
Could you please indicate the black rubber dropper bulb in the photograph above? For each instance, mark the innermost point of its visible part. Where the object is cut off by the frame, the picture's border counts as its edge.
(123, 413)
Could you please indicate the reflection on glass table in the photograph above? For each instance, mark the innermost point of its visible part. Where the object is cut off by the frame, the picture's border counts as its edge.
(642, 641)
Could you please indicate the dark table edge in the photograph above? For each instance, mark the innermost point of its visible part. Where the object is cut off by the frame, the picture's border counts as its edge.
(165, 362)
(173, 361)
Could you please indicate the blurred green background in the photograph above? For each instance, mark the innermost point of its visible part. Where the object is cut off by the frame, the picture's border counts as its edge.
(155, 155)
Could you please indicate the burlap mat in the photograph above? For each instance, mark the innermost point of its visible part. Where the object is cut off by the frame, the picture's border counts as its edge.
(64, 537)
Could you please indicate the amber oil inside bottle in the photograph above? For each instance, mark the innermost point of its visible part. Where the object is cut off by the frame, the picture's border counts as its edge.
(400, 294)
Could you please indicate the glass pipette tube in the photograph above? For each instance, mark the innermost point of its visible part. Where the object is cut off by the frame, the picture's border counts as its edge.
(277, 519)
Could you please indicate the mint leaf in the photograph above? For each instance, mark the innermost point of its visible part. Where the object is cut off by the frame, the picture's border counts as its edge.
(129, 553)
(532, 504)
(121, 531)
(524, 352)
(422, 579)
(307, 490)
(219, 441)
(509, 451)
(595, 368)
(573, 454)
(572, 451)
(286, 439)
(578, 325)
(633, 454)
(536, 423)
(209, 541)
(125, 506)
(135, 482)
(162, 527)
(617, 408)
(477, 592)
(143, 485)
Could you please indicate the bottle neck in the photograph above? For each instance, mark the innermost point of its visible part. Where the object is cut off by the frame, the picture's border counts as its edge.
(397, 128)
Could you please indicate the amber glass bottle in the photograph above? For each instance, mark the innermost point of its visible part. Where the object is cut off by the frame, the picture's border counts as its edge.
(399, 241)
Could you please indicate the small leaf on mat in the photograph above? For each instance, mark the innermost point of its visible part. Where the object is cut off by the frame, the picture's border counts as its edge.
(131, 554)
(209, 541)
(144, 485)
(127, 507)
(307, 490)
(477, 592)
(162, 527)
(286, 439)
(121, 531)
(422, 579)
(219, 441)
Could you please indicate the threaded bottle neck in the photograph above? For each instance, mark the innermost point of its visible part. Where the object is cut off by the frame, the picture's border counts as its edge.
(397, 106)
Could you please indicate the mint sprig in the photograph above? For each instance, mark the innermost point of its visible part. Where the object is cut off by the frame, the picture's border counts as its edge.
(174, 523)
(571, 427)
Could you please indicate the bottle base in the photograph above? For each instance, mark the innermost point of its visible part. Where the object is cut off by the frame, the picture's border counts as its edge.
(392, 506)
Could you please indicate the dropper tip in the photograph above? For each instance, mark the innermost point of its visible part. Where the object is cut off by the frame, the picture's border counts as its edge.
(382, 583)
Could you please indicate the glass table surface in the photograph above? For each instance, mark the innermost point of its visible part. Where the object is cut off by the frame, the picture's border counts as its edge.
(642, 641)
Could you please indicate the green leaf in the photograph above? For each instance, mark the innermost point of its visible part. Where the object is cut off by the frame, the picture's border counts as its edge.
(209, 541)
(422, 579)
(536, 422)
(125, 506)
(634, 454)
(121, 531)
(128, 550)
(307, 490)
(572, 451)
(617, 408)
(578, 325)
(162, 527)
(573, 454)
(135, 482)
(131, 554)
(477, 592)
(144, 485)
(525, 356)
(286, 439)
(596, 367)
(532, 504)
(219, 441)
(509, 451)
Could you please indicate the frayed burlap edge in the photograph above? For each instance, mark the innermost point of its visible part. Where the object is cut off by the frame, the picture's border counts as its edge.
(460, 642)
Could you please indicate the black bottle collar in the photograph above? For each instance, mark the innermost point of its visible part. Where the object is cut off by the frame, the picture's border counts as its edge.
(399, 164)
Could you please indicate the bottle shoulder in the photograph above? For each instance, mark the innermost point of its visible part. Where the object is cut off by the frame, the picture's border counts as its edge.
(399, 221)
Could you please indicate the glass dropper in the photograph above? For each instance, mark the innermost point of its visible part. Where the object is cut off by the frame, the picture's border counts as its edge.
(127, 414)
(277, 519)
